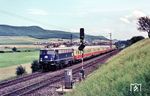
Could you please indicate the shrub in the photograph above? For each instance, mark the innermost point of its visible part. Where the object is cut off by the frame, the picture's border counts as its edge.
(2, 51)
(35, 66)
(136, 39)
(20, 70)
(14, 49)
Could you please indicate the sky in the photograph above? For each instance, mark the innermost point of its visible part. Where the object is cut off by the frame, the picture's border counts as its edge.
(97, 17)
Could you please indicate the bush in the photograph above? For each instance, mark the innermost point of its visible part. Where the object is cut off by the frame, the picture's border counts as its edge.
(2, 51)
(20, 70)
(14, 49)
(136, 39)
(35, 66)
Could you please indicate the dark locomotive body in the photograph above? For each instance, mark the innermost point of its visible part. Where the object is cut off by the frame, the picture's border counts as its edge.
(55, 58)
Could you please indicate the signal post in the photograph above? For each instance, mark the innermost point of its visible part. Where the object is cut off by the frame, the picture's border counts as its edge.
(81, 48)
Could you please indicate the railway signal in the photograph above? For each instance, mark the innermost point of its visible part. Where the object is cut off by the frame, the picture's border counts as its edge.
(81, 48)
(81, 34)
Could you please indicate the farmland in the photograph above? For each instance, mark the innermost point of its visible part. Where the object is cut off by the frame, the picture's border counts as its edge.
(21, 40)
(10, 61)
(16, 58)
(23, 44)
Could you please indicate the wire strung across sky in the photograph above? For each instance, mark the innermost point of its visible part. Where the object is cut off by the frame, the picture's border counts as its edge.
(32, 20)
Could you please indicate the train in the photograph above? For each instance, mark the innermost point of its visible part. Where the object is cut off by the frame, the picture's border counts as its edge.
(57, 58)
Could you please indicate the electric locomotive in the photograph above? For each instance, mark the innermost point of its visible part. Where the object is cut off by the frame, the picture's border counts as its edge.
(55, 58)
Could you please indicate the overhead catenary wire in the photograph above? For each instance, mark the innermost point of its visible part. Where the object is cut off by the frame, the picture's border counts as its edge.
(32, 20)
(14, 15)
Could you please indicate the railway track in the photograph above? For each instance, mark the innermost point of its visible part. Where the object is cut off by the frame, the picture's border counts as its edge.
(57, 77)
(20, 79)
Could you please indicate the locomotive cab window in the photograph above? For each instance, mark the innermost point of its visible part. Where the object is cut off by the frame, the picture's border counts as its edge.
(50, 52)
(43, 52)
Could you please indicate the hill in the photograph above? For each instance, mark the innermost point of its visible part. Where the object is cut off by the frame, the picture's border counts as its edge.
(114, 78)
(40, 33)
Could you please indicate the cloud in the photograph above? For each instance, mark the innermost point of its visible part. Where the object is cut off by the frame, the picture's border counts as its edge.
(132, 17)
(125, 19)
(107, 30)
(37, 12)
(74, 30)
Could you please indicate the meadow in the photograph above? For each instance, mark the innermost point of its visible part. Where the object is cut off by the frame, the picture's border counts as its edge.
(131, 65)
(22, 43)
(17, 40)
(16, 58)
(24, 40)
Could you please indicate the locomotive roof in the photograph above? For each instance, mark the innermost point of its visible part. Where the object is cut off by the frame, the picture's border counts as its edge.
(76, 47)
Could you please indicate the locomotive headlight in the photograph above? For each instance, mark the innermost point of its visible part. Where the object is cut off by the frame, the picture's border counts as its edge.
(40, 59)
(51, 59)
(45, 57)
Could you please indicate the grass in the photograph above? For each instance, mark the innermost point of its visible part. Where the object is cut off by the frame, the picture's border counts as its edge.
(16, 40)
(19, 49)
(132, 65)
(23, 40)
(16, 58)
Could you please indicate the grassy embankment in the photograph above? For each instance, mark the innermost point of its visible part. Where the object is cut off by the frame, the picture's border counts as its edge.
(16, 58)
(132, 65)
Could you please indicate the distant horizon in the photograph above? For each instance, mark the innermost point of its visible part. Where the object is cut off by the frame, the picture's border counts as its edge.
(42, 33)
(61, 30)
(97, 17)
(41, 27)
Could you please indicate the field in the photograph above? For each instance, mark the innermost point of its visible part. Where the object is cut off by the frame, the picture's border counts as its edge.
(132, 65)
(16, 40)
(23, 40)
(10, 61)
(16, 58)
(10, 71)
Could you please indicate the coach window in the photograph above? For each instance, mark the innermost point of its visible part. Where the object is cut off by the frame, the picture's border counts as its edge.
(76, 52)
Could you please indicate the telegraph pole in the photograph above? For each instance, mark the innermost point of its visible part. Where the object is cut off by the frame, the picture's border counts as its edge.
(110, 40)
(71, 39)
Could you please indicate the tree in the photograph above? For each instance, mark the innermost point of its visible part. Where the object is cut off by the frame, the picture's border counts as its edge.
(20, 70)
(144, 24)
(136, 39)
(14, 49)
(35, 66)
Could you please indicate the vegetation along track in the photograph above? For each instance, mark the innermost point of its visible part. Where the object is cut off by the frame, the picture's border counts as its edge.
(57, 77)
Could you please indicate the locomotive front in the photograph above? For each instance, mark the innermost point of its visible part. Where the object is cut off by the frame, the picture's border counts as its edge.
(47, 58)
(57, 58)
